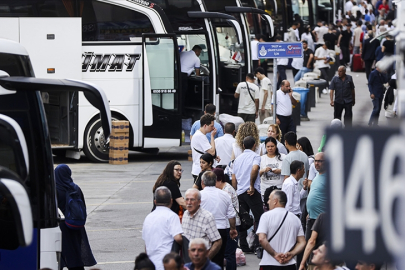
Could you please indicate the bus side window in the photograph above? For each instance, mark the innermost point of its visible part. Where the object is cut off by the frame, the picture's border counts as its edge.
(108, 22)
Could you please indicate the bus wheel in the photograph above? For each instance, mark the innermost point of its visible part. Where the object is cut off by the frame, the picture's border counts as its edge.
(95, 147)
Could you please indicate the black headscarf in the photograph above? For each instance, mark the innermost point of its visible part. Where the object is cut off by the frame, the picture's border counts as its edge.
(63, 177)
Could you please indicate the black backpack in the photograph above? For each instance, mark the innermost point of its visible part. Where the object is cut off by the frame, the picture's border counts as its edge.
(75, 212)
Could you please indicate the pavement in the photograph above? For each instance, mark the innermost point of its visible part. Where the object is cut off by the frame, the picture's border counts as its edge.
(118, 197)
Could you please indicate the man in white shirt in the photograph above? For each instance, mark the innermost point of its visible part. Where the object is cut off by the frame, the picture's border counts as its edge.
(223, 144)
(320, 31)
(265, 94)
(248, 94)
(199, 143)
(292, 37)
(246, 182)
(287, 242)
(322, 61)
(282, 64)
(348, 6)
(219, 204)
(285, 101)
(161, 228)
(189, 62)
(253, 45)
(292, 190)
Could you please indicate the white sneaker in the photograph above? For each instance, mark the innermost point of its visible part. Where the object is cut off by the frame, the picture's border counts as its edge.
(348, 69)
(325, 91)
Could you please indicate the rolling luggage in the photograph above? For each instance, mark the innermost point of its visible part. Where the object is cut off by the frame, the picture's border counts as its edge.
(357, 63)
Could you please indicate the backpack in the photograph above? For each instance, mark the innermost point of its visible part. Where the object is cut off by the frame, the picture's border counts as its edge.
(75, 212)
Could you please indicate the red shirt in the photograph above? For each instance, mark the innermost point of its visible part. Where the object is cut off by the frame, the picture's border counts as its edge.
(387, 7)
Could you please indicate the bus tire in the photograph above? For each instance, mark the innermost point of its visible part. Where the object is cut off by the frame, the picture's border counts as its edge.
(94, 146)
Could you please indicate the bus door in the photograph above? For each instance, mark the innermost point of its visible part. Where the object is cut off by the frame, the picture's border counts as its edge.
(16, 222)
(162, 109)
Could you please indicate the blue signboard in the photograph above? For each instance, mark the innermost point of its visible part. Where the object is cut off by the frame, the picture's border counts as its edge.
(279, 50)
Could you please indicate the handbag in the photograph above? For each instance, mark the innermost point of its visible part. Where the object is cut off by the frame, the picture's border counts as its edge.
(246, 219)
(259, 250)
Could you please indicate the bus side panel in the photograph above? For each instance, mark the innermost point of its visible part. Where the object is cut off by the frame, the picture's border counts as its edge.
(53, 43)
(22, 257)
(117, 70)
(12, 30)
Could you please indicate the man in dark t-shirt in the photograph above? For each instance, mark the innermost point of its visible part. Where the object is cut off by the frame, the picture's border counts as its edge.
(344, 42)
(331, 37)
(308, 64)
(318, 236)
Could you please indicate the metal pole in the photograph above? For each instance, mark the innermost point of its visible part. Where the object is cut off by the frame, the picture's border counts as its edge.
(274, 89)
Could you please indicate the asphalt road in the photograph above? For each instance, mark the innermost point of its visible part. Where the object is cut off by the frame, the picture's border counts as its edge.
(118, 197)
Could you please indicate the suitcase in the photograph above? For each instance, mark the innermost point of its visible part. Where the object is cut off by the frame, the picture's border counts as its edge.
(357, 63)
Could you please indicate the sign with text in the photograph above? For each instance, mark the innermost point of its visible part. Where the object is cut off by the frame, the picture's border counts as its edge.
(366, 192)
(279, 50)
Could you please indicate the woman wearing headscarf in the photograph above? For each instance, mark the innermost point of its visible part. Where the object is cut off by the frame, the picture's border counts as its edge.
(76, 251)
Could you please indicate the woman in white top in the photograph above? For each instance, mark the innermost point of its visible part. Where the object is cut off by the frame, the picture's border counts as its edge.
(308, 37)
(245, 130)
(274, 131)
(270, 166)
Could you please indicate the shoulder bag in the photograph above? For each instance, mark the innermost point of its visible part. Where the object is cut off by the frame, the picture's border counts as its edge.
(250, 94)
(259, 250)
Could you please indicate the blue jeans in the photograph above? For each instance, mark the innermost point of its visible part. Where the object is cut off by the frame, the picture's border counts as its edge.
(230, 251)
(301, 73)
(375, 114)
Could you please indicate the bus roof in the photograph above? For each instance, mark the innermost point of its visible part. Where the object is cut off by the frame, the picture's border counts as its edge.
(12, 47)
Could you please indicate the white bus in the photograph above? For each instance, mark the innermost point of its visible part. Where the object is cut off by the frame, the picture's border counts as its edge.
(30, 237)
(128, 48)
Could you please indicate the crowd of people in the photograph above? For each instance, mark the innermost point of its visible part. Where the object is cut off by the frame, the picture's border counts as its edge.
(279, 179)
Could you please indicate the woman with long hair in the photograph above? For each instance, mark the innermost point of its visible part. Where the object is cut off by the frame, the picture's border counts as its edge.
(245, 130)
(270, 166)
(274, 131)
(76, 251)
(305, 146)
(206, 164)
(170, 178)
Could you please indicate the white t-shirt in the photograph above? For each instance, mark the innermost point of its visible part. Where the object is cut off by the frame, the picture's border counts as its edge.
(269, 179)
(265, 84)
(246, 104)
(284, 105)
(189, 61)
(348, 6)
(321, 52)
(158, 231)
(286, 237)
(309, 39)
(254, 49)
(320, 31)
(223, 145)
(199, 142)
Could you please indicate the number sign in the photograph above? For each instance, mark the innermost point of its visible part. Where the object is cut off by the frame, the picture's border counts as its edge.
(366, 191)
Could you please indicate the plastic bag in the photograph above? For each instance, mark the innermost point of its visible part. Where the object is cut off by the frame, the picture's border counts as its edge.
(240, 257)
(250, 238)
